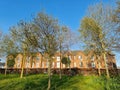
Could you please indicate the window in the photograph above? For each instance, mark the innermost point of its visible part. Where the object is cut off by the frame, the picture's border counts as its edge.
(58, 58)
(47, 64)
(27, 65)
(93, 64)
(75, 64)
(18, 65)
(92, 58)
(27, 58)
(18, 59)
(42, 65)
(107, 58)
(37, 65)
(37, 58)
(58, 64)
(80, 57)
(74, 57)
(33, 65)
(63, 65)
(53, 64)
(70, 57)
(81, 64)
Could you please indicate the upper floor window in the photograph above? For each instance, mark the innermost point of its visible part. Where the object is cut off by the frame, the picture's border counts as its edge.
(18, 59)
(28, 58)
(80, 57)
(92, 58)
(37, 58)
(58, 58)
(70, 57)
(93, 64)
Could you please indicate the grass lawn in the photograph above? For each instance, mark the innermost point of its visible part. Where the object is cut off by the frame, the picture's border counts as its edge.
(39, 82)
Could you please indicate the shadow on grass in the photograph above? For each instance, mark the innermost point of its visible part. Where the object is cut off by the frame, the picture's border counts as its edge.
(8, 76)
(56, 83)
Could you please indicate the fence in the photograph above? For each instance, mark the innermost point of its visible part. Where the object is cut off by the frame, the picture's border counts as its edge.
(67, 71)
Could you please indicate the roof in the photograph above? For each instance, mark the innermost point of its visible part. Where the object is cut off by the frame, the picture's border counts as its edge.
(2, 64)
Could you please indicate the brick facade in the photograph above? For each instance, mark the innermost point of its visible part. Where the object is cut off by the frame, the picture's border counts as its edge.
(78, 60)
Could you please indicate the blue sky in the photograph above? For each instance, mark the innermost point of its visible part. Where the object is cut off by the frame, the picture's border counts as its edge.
(68, 12)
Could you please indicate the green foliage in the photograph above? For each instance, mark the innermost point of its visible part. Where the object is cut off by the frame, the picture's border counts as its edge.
(10, 62)
(66, 61)
(116, 20)
(39, 82)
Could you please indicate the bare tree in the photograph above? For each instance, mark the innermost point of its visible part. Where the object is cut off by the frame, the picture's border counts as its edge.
(116, 20)
(7, 47)
(98, 30)
(42, 35)
(17, 33)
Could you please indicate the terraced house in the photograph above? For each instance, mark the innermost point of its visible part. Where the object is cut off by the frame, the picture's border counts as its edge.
(78, 60)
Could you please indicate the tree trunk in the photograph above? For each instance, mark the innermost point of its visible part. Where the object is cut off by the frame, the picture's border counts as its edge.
(60, 63)
(98, 57)
(23, 61)
(106, 66)
(21, 75)
(49, 75)
(6, 68)
(60, 71)
(104, 55)
(31, 62)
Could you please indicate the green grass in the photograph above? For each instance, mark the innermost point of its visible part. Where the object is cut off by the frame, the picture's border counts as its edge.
(39, 82)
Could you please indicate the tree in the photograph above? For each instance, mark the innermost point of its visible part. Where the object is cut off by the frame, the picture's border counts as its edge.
(116, 20)
(66, 39)
(17, 33)
(66, 61)
(97, 31)
(90, 32)
(1, 37)
(10, 63)
(42, 35)
(8, 47)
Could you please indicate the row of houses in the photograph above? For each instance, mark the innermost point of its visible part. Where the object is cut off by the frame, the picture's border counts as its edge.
(78, 60)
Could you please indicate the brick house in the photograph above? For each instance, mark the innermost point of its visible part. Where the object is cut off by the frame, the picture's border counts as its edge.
(78, 60)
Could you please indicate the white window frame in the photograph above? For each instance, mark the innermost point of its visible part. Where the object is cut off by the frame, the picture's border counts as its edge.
(75, 65)
(93, 64)
(58, 58)
(80, 57)
(58, 64)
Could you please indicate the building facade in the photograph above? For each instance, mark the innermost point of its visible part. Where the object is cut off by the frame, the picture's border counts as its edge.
(78, 60)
